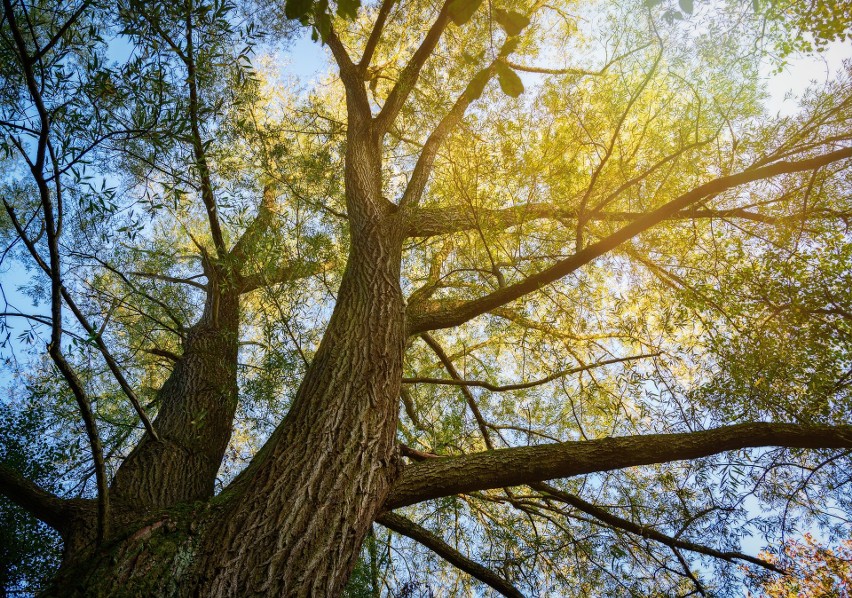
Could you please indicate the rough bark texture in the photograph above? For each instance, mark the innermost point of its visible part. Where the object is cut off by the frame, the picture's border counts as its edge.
(434, 478)
(292, 527)
(196, 412)
(305, 506)
(292, 524)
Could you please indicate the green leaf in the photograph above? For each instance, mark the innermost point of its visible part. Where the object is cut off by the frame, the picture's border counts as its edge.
(348, 9)
(671, 16)
(512, 22)
(510, 46)
(461, 11)
(297, 9)
(686, 6)
(510, 83)
(652, 3)
(477, 84)
(323, 25)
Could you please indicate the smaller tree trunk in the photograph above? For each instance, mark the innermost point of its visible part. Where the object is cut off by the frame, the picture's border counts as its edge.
(196, 411)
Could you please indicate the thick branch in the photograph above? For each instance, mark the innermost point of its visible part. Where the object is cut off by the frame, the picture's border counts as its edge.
(435, 478)
(460, 313)
(290, 271)
(433, 278)
(430, 222)
(423, 168)
(29, 496)
(350, 76)
(646, 531)
(256, 229)
(375, 34)
(403, 526)
(408, 77)
(174, 357)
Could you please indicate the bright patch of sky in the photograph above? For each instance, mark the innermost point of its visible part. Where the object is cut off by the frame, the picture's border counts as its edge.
(307, 60)
(816, 69)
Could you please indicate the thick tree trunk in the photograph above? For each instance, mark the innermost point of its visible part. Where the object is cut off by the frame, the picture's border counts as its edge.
(293, 522)
(305, 509)
(152, 493)
(301, 511)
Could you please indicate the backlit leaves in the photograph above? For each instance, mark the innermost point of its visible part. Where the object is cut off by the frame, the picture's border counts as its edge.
(461, 11)
(511, 21)
(510, 82)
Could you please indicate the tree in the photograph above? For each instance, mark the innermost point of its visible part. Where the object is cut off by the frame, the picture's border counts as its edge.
(813, 570)
(553, 322)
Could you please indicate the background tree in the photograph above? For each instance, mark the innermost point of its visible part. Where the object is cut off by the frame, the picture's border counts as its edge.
(812, 570)
(505, 299)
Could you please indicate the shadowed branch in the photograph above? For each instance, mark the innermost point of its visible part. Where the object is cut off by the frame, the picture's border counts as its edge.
(499, 468)
(419, 534)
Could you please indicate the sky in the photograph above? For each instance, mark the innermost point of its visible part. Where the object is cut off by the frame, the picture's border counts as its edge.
(307, 61)
(800, 73)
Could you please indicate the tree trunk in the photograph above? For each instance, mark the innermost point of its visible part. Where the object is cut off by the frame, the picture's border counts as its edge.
(304, 510)
(196, 412)
(299, 514)
(293, 522)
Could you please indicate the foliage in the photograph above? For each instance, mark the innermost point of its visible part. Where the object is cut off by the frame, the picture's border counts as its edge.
(791, 26)
(176, 129)
(813, 569)
(29, 549)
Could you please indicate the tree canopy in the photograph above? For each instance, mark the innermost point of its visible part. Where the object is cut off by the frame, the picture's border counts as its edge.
(544, 298)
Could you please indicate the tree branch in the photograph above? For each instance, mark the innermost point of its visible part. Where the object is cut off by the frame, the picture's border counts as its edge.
(375, 34)
(198, 145)
(435, 478)
(42, 504)
(94, 335)
(647, 531)
(40, 53)
(460, 313)
(456, 377)
(423, 169)
(574, 71)
(409, 75)
(256, 228)
(164, 353)
(52, 227)
(352, 79)
(430, 222)
(167, 278)
(523, 385)
(407, 528)
(290, 271)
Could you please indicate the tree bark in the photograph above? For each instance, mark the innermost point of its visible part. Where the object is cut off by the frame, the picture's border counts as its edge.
(196, 411)
(293, 522)
(434, 478)
(296, 518)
